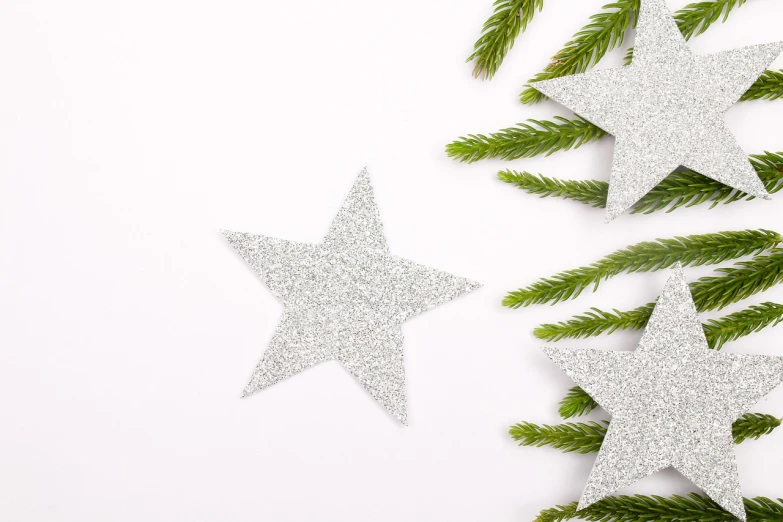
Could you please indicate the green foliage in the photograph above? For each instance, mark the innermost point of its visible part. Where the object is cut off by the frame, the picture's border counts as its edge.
(742, 323)
(695, 250)
(694, 19)
(754, 426)
(747, 278)
(589, 192)
(642, 508)
(587, 437)
(509, 18)
(525, 140)
(684, 188)
(768, 87)
(606, 31)
(576, 403)
(595, 322)
(578, 437)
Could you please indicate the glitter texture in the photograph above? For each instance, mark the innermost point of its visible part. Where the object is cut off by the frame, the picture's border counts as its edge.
(345, 299)
(666, 109)
(672, 401)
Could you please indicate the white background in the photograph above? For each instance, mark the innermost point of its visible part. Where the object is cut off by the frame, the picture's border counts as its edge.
(132, 131)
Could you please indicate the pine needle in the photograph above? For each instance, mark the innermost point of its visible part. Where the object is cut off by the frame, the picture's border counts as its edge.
(508, 20)
(576, 403)
(684, 188)
(605, 31)
(742, 323)
(579, 437)
(768, 87)
(642, 508)
(587, 437)
(735, 284)
(525, 140)
(648, 256)
(753, 426)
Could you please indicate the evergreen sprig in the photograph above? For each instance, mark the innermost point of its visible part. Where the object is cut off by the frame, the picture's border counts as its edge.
(606, 31)
(576, 403)
(738, 283)
(643, 508)
(709, 293)
(510, 17)
(743, 323)
(576, 437)
(595, 322)
(768, 87)
(525, 140)
(754, 426)
(588, 192)
(648, 256)
(694, 19)
(587, 437)
(684, 188)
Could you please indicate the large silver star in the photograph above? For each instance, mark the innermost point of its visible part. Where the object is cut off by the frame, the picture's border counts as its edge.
(667, 109)
(345, 299)
(672, 401)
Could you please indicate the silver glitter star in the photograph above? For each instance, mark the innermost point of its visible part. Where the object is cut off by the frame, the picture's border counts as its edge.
(672, 401)
(345, 299)
(666, 109)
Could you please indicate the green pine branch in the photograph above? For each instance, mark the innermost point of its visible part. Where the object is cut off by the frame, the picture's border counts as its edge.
(694, 19)
(587, 437)
(768, 87)
(745, 279)
(510, 17)
(684, 188)
(743, 323)
(648, 256)
(588, 192)
(736, 284)
(595, 322)
(576, 403)
(643, 508)
(754, 426)
(606, 31)
(576, 437)
(525, 140)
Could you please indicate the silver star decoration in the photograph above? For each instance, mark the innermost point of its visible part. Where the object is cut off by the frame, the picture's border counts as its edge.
(666, 109)
(672, 401)
(345, 299)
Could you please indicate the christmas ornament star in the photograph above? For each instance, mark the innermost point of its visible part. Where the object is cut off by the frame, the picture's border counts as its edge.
(666, 109)
(345, 299)
(672, 401)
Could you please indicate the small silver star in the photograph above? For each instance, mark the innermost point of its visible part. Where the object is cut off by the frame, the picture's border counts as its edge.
(672, 401)
(666, 109)
(345, 299)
